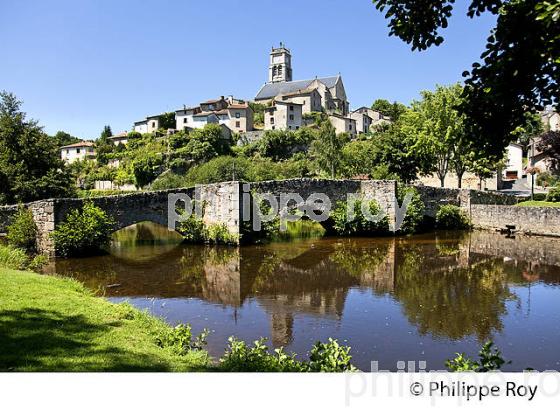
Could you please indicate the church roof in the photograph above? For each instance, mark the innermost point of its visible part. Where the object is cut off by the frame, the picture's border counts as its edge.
(271, 90)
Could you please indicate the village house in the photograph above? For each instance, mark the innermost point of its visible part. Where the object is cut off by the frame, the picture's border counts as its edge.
(80, 151)
(375, 119)
(536, 158)
(343, 124)
(283, 115)
(236, 114)
(121, 138)
(514, 165)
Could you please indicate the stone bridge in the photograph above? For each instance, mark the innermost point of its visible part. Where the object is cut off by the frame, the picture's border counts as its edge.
(224, 203)
(227, 203)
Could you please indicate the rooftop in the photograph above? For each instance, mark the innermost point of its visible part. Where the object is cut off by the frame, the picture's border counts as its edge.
(79, 145)
(271, 90)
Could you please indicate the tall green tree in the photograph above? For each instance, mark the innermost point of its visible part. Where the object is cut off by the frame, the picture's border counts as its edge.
(62, 138)
(30, 164)
(327, 148)
(518, 72)
(104, 146)
(435, 129)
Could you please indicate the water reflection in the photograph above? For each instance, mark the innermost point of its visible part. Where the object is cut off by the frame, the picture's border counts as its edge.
(419, 298)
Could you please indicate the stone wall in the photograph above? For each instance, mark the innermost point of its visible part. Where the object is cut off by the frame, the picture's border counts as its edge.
(527, 220)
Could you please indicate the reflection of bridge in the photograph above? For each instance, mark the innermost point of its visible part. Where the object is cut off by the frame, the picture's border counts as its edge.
(313, 278)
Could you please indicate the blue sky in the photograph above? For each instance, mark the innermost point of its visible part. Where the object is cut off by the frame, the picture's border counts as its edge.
(79, 65)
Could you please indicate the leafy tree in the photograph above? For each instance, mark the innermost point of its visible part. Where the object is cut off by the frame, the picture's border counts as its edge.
(280, 145)
(532, 127)
(327, 147)
(436, 130)
(167, 121)
(258, 113)
(30, 165)
(146, 168)
(393, 110)
(62, 138)
(520, 68)
(104, 146)
(549, 144)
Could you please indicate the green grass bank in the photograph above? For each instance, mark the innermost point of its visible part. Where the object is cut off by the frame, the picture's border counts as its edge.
(54, 324)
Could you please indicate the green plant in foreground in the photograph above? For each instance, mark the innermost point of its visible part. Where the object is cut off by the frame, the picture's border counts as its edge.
(489, 360)
(84, 231)
(22, 231)
(324, 357)
(452, 217)
(180, 338)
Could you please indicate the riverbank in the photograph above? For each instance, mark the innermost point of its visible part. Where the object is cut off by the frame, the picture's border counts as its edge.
(54, 324)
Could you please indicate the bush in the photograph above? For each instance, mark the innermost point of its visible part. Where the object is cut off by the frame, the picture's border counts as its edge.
(490, 360)
(554, 194)
(84, 231)
(414, 216)
(192, 229)
(324, 357)
(22, 231)
(181, 340)
(219, 234)
(359, 225)
(452, 217)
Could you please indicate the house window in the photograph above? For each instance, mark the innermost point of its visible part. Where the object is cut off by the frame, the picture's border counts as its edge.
(77, 151)
(185, 120)
(273, 127)
(237, 124)
(272, 120)
(68, 151)
(237, 115)
(290, 127)
(291, 107)
(153, 124)
(350, 126)
(297, 128)
(291, 117)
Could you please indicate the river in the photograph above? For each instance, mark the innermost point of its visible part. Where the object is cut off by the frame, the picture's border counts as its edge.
(420, 298)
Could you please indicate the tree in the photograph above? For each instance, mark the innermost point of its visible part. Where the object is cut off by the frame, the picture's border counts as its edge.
(549, 145)
(435, 130)
(167, 120)
(393, 110)
(520, 68)
(30, 164)
(62, 138)
(104, 146)
(327, 147)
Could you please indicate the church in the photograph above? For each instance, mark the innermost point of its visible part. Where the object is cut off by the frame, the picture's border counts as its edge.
(319, 94)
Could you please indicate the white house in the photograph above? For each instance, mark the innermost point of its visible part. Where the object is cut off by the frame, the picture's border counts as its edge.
(514, 166)
(343, 124)
(77, 152)
(141, 126)
(283, 115)
(121, 138)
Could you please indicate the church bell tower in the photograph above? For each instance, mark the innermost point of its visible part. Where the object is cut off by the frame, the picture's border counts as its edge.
(280, 68)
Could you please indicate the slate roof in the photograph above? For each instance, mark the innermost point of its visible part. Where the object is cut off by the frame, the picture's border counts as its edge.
(271, 90)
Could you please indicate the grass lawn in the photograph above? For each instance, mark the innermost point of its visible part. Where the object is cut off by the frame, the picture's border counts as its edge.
(54, 324)
(540, 203)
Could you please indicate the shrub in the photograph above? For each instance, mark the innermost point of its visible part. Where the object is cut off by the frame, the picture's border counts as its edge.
(554, 194)
(219, 234)
(359, 224)
(330, 358)
(181, 340)
(192, 229)
(490, 360)
(324, 357)
(84, 231)
(22, 231)
(414, 216)
(452, 217)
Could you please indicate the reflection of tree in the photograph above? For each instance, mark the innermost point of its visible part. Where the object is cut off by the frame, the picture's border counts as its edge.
(448, 301)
